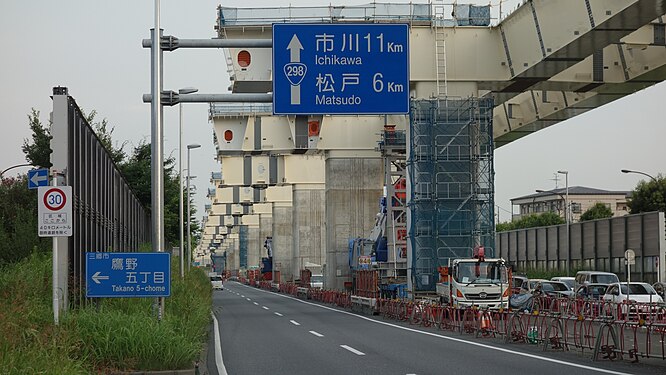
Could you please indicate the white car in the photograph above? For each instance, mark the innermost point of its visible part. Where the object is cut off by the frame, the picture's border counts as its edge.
(642, 293)
(216, 282)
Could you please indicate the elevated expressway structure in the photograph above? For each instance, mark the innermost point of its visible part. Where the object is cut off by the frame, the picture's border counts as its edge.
(544, 63)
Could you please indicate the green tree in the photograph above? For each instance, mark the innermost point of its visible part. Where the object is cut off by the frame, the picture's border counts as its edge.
(649, 196)
(531, 221)
(598, 211)
(38, 149)
(136, 170)
(18, 221)
(105, 136)
(135, 167)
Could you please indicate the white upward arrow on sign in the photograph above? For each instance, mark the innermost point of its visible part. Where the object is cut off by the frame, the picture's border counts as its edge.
(96, 277)
(295, 48)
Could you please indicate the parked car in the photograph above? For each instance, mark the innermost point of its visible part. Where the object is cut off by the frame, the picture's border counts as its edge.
(569, 280)
(636, 292)
(530, 285)
(554, 289)
(591, 291)
(217, 282)
(516, 283)
(660, 288)
(594, 277)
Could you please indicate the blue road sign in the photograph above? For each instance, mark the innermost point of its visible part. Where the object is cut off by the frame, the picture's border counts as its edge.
(37, 178)
(128, 275)
(340, 69)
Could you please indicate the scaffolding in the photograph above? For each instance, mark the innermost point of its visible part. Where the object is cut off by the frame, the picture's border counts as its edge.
(450, 184)
(242, 245)
(437, 12)
(393, 149)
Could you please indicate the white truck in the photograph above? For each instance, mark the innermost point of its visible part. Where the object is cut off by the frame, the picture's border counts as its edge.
(475, 282)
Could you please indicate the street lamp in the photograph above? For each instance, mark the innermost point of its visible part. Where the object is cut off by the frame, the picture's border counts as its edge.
(189, 241)
(15, 166)
(638, 172)
(567, 210)
(183, 91)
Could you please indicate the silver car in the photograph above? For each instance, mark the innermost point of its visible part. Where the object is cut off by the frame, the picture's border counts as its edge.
(216, 282)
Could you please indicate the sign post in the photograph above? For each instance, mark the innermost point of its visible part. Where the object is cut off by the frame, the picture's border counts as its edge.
(340, 69)
(630, 259)
(54, 219)
(128, 274)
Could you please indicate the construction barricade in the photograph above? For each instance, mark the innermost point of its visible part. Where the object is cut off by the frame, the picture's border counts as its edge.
(601, 329)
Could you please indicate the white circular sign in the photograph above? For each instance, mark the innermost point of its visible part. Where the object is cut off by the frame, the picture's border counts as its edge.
(55, 199)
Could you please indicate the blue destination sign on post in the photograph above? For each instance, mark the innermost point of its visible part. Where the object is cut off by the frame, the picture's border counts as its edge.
(340, 69)
(128, 275)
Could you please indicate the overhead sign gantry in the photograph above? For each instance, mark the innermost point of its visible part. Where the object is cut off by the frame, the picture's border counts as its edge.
(340, 69)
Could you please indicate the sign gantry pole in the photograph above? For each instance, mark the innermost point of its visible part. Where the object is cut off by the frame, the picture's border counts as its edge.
(157, 145)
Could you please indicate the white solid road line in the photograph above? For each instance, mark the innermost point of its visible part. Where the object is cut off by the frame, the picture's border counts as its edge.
(295, 323)
(357, 352)
(278, 314)
(490, 347)
(317, 334)
(264, 307)
(221, 370)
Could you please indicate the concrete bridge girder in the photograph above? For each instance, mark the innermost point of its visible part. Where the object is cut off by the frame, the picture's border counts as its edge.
(291, 169)
(277, 136)
(542, 46)
(534, 110)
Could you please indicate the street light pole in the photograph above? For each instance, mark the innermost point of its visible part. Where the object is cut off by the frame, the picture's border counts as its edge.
(638, 172)
(187, 90)
(14, 166)
(189, 241)
(567, 211)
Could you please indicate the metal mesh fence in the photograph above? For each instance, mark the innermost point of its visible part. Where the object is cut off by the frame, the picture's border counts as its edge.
(108, 217)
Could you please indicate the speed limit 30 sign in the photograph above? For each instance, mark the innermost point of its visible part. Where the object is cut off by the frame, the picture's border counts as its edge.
(54, 211)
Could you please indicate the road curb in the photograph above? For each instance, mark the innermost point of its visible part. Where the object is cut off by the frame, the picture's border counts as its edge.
(191, 371)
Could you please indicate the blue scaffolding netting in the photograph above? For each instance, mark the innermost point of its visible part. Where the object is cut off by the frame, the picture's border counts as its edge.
(451, 176)
(242, 245)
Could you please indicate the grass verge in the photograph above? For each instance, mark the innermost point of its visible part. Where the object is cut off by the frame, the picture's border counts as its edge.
(116, 334)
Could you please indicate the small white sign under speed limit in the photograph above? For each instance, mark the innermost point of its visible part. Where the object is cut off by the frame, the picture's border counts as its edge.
(54, 211)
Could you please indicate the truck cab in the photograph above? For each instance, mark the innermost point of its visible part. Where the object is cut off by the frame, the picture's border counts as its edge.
(475, 282)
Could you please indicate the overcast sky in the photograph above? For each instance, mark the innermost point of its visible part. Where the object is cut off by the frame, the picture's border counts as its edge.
(93, 47)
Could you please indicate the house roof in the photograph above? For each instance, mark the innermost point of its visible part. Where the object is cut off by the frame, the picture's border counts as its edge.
(573, 190)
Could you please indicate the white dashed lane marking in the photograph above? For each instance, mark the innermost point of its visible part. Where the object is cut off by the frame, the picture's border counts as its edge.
(352, 350)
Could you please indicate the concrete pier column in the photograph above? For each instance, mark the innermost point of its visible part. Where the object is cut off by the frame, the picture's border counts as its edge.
(309, 231)
(254, 246)
(353, 189)
(233, 254)
(282, 240)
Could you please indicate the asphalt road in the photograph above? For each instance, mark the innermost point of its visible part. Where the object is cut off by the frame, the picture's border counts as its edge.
(268, 333)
